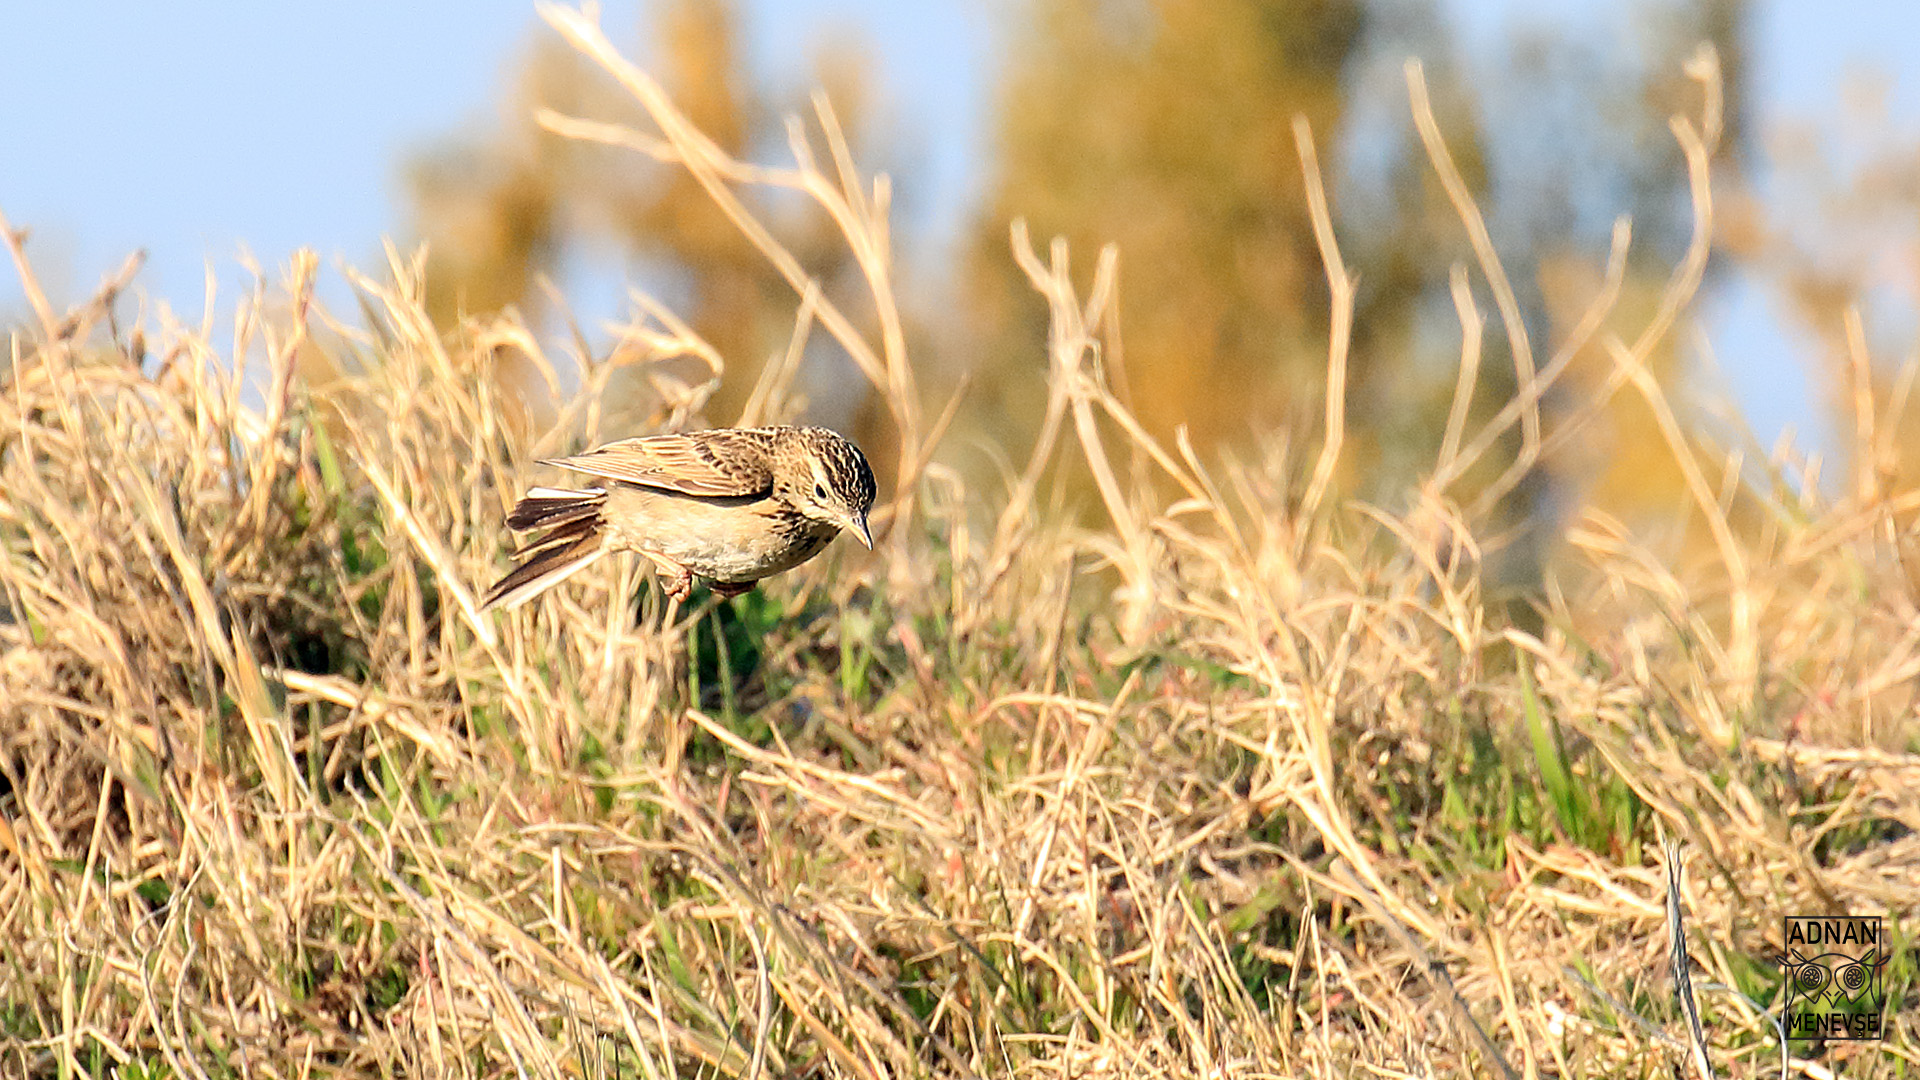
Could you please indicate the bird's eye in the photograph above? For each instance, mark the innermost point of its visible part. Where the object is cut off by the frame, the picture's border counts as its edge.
(820, 491)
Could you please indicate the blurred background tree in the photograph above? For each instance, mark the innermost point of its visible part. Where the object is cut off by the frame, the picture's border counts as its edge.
(1165, 126)
(502, 209)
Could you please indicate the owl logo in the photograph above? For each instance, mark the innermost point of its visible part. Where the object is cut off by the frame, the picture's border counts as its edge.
(1835, 980)
(1833, 968)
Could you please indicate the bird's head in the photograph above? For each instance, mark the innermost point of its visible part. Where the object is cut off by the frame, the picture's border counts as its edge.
(831, 481)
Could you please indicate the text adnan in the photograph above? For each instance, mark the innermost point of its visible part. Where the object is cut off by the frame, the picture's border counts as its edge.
(1806, 931)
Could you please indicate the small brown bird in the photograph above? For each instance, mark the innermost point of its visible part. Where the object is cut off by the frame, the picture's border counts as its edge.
(732, 505)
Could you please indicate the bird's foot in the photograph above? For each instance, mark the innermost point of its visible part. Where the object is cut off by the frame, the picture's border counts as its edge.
(676, 579)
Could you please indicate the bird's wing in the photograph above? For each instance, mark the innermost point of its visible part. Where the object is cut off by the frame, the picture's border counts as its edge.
(723, 462)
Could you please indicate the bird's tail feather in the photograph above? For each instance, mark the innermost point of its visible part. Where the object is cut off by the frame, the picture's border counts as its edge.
(545, 507)
(575, 539)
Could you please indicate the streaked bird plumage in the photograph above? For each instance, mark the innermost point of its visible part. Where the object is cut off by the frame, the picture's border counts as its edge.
(731, 505)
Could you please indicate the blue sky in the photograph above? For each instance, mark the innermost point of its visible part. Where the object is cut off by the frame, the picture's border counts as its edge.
(202, 130)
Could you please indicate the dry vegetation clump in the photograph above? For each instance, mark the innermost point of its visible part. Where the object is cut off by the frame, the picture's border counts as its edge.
(1291, 796)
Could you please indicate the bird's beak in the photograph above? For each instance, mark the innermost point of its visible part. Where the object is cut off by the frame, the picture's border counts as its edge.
(859, 526)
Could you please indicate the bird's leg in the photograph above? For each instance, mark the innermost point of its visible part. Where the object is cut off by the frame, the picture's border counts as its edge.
(729, 589)
(675, 578)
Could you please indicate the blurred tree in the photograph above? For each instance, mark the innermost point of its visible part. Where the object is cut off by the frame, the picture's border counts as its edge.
(1165, 126)
(504, 208)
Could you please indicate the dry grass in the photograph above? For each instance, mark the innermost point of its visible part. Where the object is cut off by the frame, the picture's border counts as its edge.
(1294, 799)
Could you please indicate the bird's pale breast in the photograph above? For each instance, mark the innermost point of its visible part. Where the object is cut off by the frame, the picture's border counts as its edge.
(731, 540)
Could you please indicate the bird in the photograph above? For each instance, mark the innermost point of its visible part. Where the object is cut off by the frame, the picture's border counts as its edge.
(731, 505)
